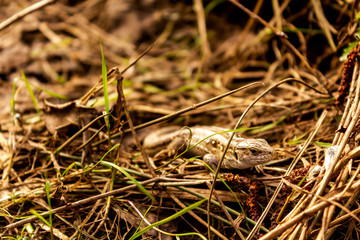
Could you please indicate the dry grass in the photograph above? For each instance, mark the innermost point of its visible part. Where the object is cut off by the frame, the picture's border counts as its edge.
(270, 67)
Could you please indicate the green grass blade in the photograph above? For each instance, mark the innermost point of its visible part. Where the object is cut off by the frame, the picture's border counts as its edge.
(105, 85)
(34, 212)
(68, 169)
(47, 188)
(268, 126)
(142, 219)
(146, 192)
(30, 91)
(228, 187)
(51, 94)
(323, 144)
(168, 219)
(12, 102)
(101, 160)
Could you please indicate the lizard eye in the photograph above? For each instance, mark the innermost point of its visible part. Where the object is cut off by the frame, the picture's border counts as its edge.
(236, 155)
(253, 151)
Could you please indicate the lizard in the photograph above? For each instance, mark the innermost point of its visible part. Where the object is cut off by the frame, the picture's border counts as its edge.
(242, 153)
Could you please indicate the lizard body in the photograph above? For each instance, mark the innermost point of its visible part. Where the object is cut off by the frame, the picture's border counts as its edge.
(243, 153)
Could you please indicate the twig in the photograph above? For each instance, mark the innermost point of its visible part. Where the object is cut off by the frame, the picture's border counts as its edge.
(82, 202)
(199, 9)
(123, 102)
(351, 119)
(178, 113)
(331, 168)
(283, 38)
(232, 135)
(323, 22)
(88, 141)
(139, 57)
(290, 168)
(200, 220)
(23, 13)
(85, 98)
(277, 14)
(299, 189)
(77, 134)
(277, 32)
(231, 220)
(309, 213)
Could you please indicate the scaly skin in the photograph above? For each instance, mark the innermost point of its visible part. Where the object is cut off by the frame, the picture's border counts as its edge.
(242, 153)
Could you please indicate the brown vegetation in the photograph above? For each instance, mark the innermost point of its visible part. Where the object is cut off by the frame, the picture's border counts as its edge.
(273, 68)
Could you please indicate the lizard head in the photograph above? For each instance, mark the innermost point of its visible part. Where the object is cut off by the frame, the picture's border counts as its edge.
(249, 153)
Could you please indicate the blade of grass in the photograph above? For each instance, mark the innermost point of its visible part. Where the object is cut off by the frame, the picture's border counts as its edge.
(227, 186)
(29, 228)
(105, 87)
(47, 188)
(30, 92)
(52, 94)
(143, 219)
(10, 238)
(168, 219)
(68, 169)
(38, 215)
(12, 102)
(89, 168)
(211, 5)
(268, 126)
(323, 144)
(109, 164)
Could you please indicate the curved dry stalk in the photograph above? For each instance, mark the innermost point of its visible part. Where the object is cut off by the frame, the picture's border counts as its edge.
(352, 119)
(297, 188)
(346, 114)
(223, 208)
(205, 46)
(348, 122)
(232, 136)
(324, 24)
(310, 212)
(97, 87)
(82, 202)
(67, 142)
(24, 12)
(122, 101)
(199, 219)
(104, 217)
(278, 32)
(349, 203)
(182, 111)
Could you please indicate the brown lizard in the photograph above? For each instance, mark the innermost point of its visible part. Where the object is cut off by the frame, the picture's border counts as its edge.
(242, 153)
